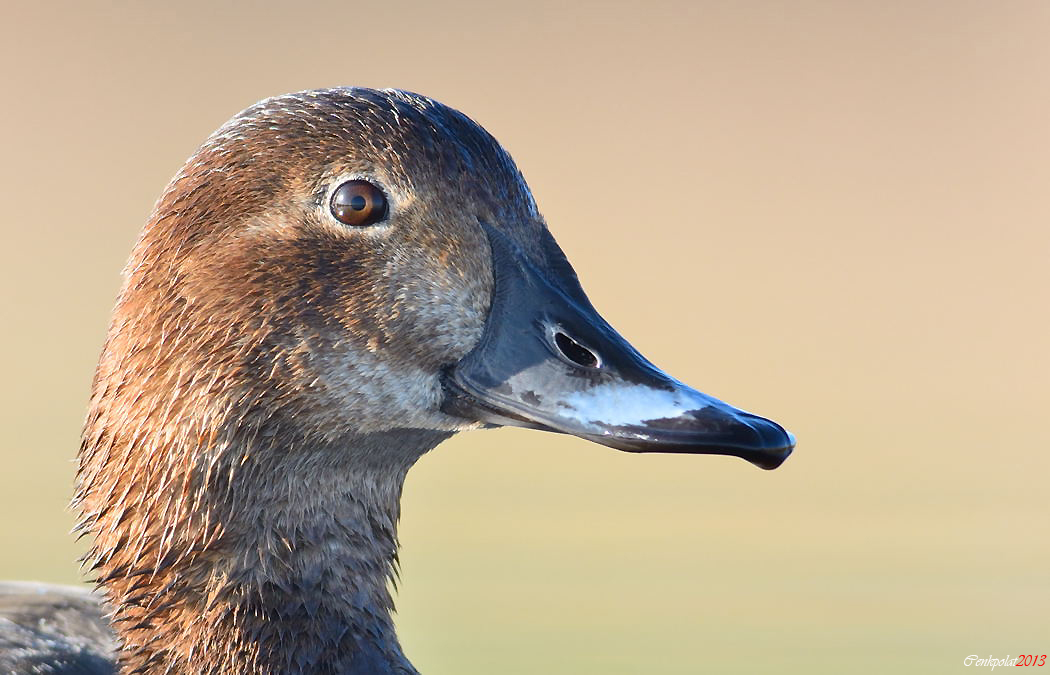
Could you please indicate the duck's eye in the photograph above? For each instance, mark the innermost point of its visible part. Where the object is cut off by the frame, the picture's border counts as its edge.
(358, 203)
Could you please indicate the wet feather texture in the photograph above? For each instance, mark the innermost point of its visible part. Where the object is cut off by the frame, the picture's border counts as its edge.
(240, 474)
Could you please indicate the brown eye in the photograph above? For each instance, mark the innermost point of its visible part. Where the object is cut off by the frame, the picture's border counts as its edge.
(358, 203)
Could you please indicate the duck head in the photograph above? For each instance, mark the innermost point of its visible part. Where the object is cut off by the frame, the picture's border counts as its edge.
(366, 260)
(335, 282)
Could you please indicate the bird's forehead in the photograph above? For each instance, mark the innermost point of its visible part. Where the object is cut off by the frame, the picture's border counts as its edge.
(405, 137)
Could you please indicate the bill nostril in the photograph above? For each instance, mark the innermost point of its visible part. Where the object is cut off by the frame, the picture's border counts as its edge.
(575, 352)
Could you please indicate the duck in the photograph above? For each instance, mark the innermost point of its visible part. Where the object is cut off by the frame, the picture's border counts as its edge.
(336, 282)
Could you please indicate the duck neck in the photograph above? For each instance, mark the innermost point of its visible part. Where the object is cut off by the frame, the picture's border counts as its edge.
(282, 561)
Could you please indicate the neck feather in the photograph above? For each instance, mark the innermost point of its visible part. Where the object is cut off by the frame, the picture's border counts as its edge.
(252, 553)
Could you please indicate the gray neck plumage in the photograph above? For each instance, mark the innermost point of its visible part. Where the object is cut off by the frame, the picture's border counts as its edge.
(289, 570)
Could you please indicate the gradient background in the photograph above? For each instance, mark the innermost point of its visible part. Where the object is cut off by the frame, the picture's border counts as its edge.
(833, 214)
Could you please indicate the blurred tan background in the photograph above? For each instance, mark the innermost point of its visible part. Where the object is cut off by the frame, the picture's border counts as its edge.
(833, 214)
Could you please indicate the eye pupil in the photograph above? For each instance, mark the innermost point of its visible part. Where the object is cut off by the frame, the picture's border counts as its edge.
(358, 203)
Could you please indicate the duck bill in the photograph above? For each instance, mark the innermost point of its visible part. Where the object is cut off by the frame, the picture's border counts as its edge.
(547, 360)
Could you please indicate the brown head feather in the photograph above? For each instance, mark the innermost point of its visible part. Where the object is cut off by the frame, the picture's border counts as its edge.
(244, 449)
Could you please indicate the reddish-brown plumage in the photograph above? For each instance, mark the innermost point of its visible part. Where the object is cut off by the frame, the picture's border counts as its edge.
(220, 396)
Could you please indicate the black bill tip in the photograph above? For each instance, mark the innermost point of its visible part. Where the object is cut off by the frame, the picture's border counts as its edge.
(714, 430)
